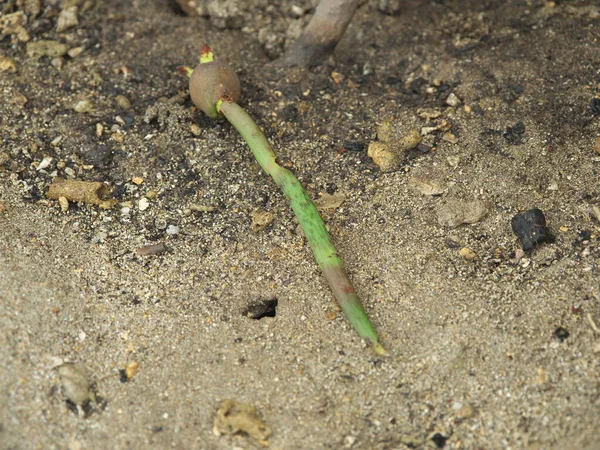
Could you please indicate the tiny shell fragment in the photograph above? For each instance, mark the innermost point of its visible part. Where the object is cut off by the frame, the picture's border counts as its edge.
(91, 192)
(153, 249)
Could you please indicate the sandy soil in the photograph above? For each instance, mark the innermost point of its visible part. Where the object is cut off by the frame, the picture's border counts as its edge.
(490, 350)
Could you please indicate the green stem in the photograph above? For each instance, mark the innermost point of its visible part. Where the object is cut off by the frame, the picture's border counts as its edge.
(310, 221)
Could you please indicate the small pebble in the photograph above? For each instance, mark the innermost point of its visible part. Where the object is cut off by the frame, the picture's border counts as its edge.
(449, 137)
(172, 230)
(595, 212)
(67, 19)
(530, 227)
(123, 102)
(452, 100)
(75, 52)
(596, 144)
(64, 203)
(7, 64)
(46, 48)
(296, 11)
(195, 129)
(337, 77)
(75, 383)
(201, 208)
(384, 156)
(131, 369)
(84, 106)
(387, 153)
(137, 180)
(457, 212)
(44, 163)
(468, 253)
(261, 220)
(125, 211)
(349, 441)
(453, 161)
(57, 62)
(143, 204)
(465, 412)
(429, 113)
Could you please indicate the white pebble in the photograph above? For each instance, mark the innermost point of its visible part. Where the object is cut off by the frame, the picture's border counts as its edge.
(44, 163)
(172, 229)
(144, 204)
(452, 100)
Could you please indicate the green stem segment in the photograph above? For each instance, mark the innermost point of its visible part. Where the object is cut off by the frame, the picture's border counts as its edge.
(310, 221)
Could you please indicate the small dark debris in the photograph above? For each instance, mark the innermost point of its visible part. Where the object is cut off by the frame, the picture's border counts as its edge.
(423, 148)
(99, 156)
(450, 243)
(595, 106)
(439, 440)
(561, 334)
(263, 308)
(354, 146)
(238, 340)
(290, 113)
(123, 376)
(417, 85)
(530, 227)
(157, 429)
(514, 134)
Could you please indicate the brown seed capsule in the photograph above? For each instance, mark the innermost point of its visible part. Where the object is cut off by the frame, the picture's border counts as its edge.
(212, 81)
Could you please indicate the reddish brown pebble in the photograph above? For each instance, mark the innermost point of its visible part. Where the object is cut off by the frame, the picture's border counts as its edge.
(153, 249)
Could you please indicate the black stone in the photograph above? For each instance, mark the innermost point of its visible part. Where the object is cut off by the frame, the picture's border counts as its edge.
(595, 106)
(561, 334)
(354, 146)
(263, 308)
(530, 227)
(439, 440)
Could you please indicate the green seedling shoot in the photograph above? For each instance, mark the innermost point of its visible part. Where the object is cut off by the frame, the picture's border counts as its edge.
(215, 89)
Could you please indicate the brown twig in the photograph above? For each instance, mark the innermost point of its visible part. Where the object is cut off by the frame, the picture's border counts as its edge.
(322, 33)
